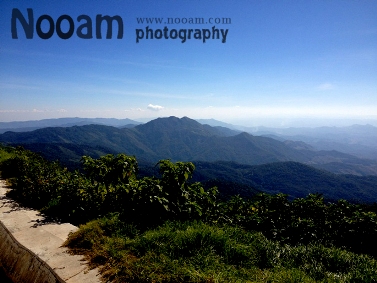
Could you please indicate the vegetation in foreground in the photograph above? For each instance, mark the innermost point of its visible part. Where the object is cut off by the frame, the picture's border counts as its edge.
(166, 229)
(198, 252)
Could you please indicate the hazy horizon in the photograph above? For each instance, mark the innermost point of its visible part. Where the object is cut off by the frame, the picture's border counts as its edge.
(282, 63)
(289, 123)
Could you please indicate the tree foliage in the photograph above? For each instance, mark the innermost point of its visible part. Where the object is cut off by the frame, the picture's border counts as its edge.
(109, 184)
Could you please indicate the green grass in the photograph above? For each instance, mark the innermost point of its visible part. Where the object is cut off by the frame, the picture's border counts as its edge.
(198, 252)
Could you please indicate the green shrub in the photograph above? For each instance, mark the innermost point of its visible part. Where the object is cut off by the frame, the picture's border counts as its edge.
(108, 184)
(305, 220)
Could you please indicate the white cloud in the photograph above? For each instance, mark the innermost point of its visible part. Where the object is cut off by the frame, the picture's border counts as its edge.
(155, 107)
(326, 86)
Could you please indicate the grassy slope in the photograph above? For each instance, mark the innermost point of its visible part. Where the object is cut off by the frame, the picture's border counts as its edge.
(197, 252)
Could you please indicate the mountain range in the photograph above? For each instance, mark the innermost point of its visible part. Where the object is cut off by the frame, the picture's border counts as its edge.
(26, 126)
(185, 139)
(357, 140)
(263, 163)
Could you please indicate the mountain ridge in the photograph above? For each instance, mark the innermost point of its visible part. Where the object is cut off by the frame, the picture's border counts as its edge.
(358, 140)
(23, 126)
(184, 139)
(295, 179)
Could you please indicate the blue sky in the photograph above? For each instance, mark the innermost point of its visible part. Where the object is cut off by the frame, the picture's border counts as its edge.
(284, 63)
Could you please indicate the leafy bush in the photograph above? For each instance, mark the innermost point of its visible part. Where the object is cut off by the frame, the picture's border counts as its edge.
(35, 180)
(306, 220)
(108, 184)
(6, 152)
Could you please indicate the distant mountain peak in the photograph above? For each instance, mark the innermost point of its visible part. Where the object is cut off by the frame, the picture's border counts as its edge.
(184, 126)
(171, 122)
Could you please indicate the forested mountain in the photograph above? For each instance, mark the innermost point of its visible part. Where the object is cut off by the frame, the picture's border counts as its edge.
(238, 163)
(292, 178)
(181, 139)
(358, 140)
